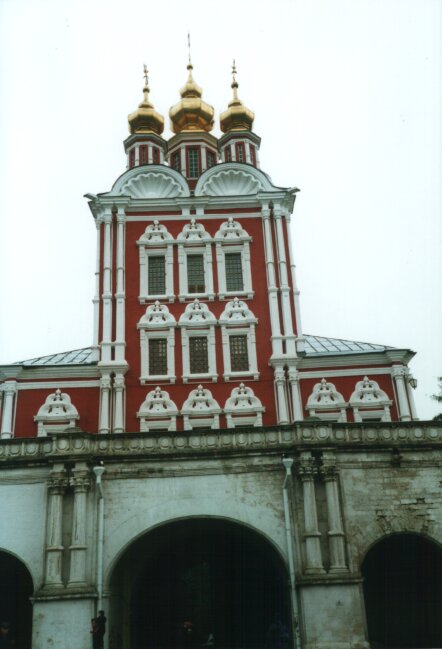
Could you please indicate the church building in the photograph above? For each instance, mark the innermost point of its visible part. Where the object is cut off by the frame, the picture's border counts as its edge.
(205, 472)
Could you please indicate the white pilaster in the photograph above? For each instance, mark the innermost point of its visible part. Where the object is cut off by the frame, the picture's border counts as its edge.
(399, 372)
(96, 299)
(119, 403)
(336, 536)
(105, 386)
(120, 295)
(281, 396)
(54, 545)
(296, 291)
(285, 288)
(80, 481)
(9, 390)
(313, 556)
(106, 344)
(271, 284)
(410, 394)
(298, 413)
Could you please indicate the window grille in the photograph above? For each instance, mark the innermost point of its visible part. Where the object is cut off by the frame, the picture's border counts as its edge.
(210, 159)
(240, 155)
(239, 358)
(156, 155)
(195, 273)
(157, 356)
(234, 279)
(132, 158)
(143, 155)
(156, 275)
(199, 360)
(228, 153)
(176, 161)
(193, 163)
(253, 155)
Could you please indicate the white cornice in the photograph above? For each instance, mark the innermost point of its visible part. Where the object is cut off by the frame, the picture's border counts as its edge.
(351, 360)
(48, 372)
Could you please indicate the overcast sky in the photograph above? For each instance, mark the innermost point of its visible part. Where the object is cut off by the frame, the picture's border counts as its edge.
(348, 102)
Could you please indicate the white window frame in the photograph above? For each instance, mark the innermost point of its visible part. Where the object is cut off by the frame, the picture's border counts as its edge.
(242, 408)
(194, 240)
(326, 403)
(201, 325)
(156, 242)
(151, 420)
(206, 412)
(231, 238)
(378, 408)
(150, 328)
(238, 320)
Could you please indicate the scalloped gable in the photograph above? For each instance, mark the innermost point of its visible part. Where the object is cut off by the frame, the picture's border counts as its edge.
(232, 179)
(151, 182)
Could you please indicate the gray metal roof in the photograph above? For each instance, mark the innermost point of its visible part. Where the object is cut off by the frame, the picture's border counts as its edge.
(85, 356)
(319, 346)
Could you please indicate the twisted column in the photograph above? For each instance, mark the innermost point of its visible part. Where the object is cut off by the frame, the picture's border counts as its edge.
(80, 481)
(307, 472)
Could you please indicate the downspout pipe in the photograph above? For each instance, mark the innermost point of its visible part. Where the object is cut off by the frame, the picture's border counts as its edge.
(98, 471)
(288, 463)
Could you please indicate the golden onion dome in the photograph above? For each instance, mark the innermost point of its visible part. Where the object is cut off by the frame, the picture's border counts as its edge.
(237, 117)
(191, 113)
(145, 119)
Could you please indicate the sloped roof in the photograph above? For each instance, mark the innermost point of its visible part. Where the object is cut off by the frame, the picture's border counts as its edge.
(319, 346)
(86, 356)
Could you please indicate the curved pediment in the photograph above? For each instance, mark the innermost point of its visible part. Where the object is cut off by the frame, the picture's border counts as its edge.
(232, 179)
(153, 181)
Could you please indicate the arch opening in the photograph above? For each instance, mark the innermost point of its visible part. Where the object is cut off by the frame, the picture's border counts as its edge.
(403, 592)
(16, 589)
(198, 582)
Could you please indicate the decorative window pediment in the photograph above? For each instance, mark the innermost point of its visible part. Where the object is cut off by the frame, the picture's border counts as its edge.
(197, 325)
(193, 232)
(157, 412)
(197, 313)
(56, 414)
(157, 344)
(156, 263)
(242, 408)
(369, 401)
(326, 402)
(200, 410)
(238, 339)
(195, 262)
(233, 260)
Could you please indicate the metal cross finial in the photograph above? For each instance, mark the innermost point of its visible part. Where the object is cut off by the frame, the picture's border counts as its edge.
(145, 75)
(188, 47)
(234, 71)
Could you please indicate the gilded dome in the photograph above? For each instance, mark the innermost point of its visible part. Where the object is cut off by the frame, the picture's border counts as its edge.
(191, 113)
(237, 117)
(145, 119)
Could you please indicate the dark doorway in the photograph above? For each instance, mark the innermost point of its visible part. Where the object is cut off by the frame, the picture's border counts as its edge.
(189, 579)
(403, 592)
(15, 605)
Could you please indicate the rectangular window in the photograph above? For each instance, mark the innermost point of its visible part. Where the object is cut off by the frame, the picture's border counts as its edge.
(132, 158)
(176, 161)
(158, 356)
(195, 274)
(240, 153)
(156, 275)
(199, 359)
(234, 280)
(239, 358)
(253, 155)
(156, 155)
(228, 154)
(211, 160)
(193, 163)
(143, 155)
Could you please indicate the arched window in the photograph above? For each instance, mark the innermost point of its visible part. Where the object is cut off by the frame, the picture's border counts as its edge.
(243, 408)
(56, 414)
(238, 340)
(156, 263)
(197, 326)
(326, 402)
(157, 344)
(157, 412)
(200, 410)
(370, 402)
(195, 262)
(233, 260)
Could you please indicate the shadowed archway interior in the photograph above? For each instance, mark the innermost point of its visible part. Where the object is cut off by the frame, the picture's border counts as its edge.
(207, 575)
(403, 592)
(16, 589)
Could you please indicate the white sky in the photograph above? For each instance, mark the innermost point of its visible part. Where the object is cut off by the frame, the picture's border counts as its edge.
(348, 102)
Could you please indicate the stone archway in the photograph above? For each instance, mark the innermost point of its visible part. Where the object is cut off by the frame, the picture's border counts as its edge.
(16, 589)
(208, 575)
(403, 592)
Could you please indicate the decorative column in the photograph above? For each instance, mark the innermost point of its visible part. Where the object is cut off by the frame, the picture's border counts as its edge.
(271, 281)
(298, 414)
(336, 536)
(105, 386)
(300, 344)
(54, 546)
(96, 299)
(120, 294)
(106, 344)
(9, 391)
(285, 288)
(80, 481)
(283, 414)
(119, 405)
(313, 558)
(411, 384)
(399, 372)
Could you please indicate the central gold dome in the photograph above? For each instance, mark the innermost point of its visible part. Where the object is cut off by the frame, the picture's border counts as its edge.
(191, 113)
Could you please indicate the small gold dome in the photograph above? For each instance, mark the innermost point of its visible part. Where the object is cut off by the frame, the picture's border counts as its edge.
(237, 117)
(145, 119)
(191, 113)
